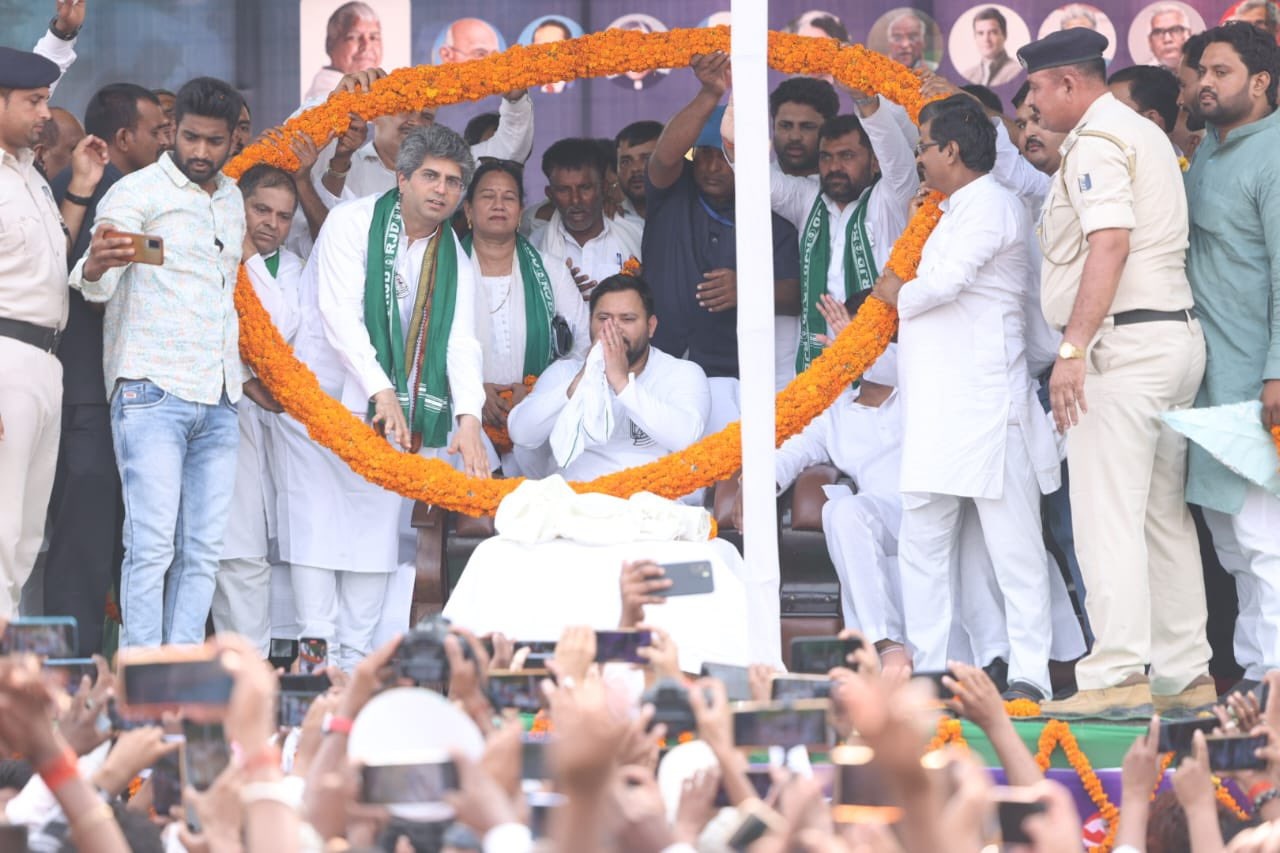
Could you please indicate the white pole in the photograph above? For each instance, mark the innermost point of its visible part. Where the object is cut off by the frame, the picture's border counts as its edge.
(755, 322)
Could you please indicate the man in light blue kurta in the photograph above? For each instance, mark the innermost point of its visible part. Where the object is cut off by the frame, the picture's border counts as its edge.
(1233, 190)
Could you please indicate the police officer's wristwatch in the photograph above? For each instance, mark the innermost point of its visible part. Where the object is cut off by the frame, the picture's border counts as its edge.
(1069, 351)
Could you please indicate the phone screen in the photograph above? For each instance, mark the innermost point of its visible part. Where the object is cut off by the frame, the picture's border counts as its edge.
(313, 655)
(800, 688)
(408, 783)
(533, 758)
(297, 692)
(621, 646)
(204, 755)
(1236, 753)
(1176, 736)
(1011, 814)
(736, 680)
(54, 637)
(819, 655)
(780, 727)
(519, 690)
(69, 671)
(203, 682)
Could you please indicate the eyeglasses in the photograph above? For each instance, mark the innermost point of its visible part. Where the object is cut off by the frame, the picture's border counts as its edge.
(921, 147)
(1167, 32)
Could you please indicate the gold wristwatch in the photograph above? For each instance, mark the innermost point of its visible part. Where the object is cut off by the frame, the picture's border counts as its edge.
(1069, 351)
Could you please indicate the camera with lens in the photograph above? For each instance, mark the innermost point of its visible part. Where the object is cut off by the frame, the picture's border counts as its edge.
(670, 700)
(421, 657)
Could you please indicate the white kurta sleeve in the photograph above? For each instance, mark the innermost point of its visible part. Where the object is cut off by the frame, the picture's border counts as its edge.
(60, 53)
(791, 195)
(530, 423)
(513, 140)
(466, 358)
(895, 151)
(1014, 171)
(569, 304)
(289, 278)
(678, 417)
(970, 244)
(802, 450)
(340, 257)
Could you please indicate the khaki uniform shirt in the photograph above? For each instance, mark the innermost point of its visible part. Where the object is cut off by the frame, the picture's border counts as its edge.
(33, 246)
(1118, 171)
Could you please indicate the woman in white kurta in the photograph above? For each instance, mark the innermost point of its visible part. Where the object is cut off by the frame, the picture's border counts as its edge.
(520, 296)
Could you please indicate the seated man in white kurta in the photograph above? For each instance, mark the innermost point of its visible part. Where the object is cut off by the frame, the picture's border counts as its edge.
(243, 591)
(392, 336)
(627, 404)
(973, 431)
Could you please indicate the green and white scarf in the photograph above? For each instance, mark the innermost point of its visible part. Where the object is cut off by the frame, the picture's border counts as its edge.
(418, 360)
(815, 257)
(539, 306)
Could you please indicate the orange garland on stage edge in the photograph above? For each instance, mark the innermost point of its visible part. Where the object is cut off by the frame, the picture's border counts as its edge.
(713, 458)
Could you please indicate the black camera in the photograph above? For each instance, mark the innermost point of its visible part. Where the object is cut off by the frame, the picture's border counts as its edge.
(670, 700)
(421, 658)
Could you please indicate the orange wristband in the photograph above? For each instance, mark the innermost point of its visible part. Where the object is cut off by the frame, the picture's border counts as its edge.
(58, 771)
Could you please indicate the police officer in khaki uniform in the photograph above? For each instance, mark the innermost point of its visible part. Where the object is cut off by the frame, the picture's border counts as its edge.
(33, 311)
(1114, 235)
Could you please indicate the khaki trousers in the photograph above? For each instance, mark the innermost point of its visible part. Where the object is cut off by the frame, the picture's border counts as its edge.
(1135, 540)
(31, 411)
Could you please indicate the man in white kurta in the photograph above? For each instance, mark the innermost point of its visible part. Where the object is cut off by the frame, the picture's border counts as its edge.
(866, 178)
(338, 531)
(241, 599)
(973, 431)
(626, 404)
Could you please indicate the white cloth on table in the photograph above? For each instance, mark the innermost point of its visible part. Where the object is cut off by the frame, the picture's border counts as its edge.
(542, 510)
(663, 409)
(532, 592)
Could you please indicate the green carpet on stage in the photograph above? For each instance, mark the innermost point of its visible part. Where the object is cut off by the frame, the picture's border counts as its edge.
(1105, 744)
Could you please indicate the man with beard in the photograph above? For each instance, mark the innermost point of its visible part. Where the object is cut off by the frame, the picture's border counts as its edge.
(961, 351)
(1234, 266)
(85, 513)
(171, 365)
(849, 222)
(627, 403)
(33, 311)
(1113, 234)
(635, 144)
(690, 241)
(579, 235)
(798, 108)
(244, 130)
(1189, 130)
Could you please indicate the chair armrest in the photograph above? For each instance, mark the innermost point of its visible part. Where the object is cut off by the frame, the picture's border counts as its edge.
(724, 495)
(430, 587)
(808, 498)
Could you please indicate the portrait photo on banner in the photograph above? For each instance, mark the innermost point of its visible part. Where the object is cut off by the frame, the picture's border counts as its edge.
(337, 37)
(465, 39)
(984, 43)
(1081, 15)
(1159, 31)
(638, 81)
(1263, 14)
(547, 29)
(908, 36)
(818, 23)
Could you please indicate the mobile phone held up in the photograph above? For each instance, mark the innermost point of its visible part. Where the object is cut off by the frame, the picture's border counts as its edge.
(45, 636)
(146, 248)
(297, 692)
(820, 655)
(621, 646)
(693, 578)
(171, 678)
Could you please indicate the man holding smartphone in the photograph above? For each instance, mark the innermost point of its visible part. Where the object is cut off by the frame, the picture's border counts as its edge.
(172, 366)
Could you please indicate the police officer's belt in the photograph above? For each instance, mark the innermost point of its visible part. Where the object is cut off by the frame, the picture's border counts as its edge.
(40, 337)
(1147, 315)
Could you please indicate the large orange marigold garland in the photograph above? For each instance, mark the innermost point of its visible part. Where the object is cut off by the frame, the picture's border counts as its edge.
(709, 460)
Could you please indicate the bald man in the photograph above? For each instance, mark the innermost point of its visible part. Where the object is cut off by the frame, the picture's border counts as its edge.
(57, 140)
(468, 38)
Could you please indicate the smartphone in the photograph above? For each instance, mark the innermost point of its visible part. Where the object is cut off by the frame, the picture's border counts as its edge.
(541, 805)
(297, 692)
(119, 723)
(860, 791)
(533, 758)
(69, 671)
(736, 680)
(313, 655)
(944, 692)
(166, 781)
(800, 687)
(13, 838)
(621, 646)
(47, 636)
(520, 689)
(205, 754)
(1176, 736)
(1013, 806)
(169, 678)
(761, 782)
(755, 820)
(383, 784)
(1235, 752)
(693, 578)
(764, 724)
(146, 249)
(820, 655)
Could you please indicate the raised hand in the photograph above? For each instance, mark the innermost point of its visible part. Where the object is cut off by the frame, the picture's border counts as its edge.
(712, 71)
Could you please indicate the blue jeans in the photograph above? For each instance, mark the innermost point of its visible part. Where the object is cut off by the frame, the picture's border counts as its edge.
(177, 464)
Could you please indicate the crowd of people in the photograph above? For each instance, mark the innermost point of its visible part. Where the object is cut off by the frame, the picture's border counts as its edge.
(1106, 255)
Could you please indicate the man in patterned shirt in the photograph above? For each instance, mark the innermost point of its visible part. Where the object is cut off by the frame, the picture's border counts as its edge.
(172, 364)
